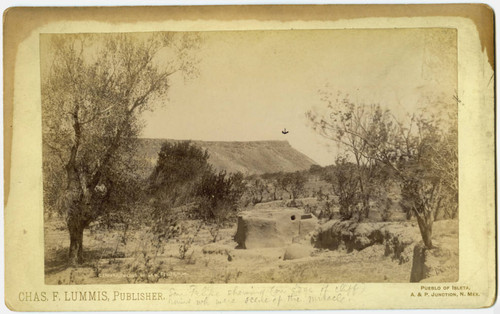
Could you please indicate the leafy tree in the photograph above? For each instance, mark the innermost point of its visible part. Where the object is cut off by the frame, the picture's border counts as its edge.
(315, 170)
(179, 168)
(219, 194)
(272, 183)
(272, 187)
(344, 181)
(94, 88)
(344, 124)
(257, 188)
(422, 153)
(183, 184)
(293, 183)
(429, 172)
(172, 184)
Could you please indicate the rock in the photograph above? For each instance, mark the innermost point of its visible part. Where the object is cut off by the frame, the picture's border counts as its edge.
(215, 248)
(397, 237)
(229, 257)
(399, 247)
(350, 235)
(362, 242)
(296, 251)
(273, 227)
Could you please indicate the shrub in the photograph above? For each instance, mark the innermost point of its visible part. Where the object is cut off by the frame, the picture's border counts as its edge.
(293, 183)
(315, 169)
(218, 195)
(345, 186)
(179, 168)
(385, 208)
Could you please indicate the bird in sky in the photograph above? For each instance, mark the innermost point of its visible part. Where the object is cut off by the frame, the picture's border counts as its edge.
(284, 131)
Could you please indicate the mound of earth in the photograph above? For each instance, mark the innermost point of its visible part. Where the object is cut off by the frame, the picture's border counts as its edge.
(349, 235)
(297, 251)
(398, 238)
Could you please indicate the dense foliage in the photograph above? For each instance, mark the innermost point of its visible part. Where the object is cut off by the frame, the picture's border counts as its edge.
(94, 88)
(421, 154)
(183, 176)
(179, 168)
(218, 195)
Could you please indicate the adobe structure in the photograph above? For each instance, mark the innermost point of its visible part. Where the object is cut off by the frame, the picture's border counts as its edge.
(265, 228)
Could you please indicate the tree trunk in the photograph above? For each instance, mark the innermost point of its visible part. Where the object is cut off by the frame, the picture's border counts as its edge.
(364, 196)
(425, 226)
(366, 206)
(75, 228)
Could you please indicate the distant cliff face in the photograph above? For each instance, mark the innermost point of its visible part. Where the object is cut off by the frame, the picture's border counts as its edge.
(254, 157)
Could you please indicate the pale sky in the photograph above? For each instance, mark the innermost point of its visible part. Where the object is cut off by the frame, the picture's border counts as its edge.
(252, 84)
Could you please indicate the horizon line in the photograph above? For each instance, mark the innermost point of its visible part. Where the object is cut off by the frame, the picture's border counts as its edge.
(224, 141)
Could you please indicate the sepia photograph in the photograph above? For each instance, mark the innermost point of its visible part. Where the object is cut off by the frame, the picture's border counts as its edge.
(254, 157)
(276, 156)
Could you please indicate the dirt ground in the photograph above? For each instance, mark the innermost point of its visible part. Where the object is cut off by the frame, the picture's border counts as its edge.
(109, 259)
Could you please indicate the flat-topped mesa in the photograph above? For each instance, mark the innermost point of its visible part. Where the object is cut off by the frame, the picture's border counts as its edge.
(250, 157)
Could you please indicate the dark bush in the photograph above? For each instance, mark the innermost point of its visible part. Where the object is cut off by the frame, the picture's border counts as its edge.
(179, 166)
(218, 195)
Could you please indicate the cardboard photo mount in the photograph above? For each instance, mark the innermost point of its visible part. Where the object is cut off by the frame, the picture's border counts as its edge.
(25, 288)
